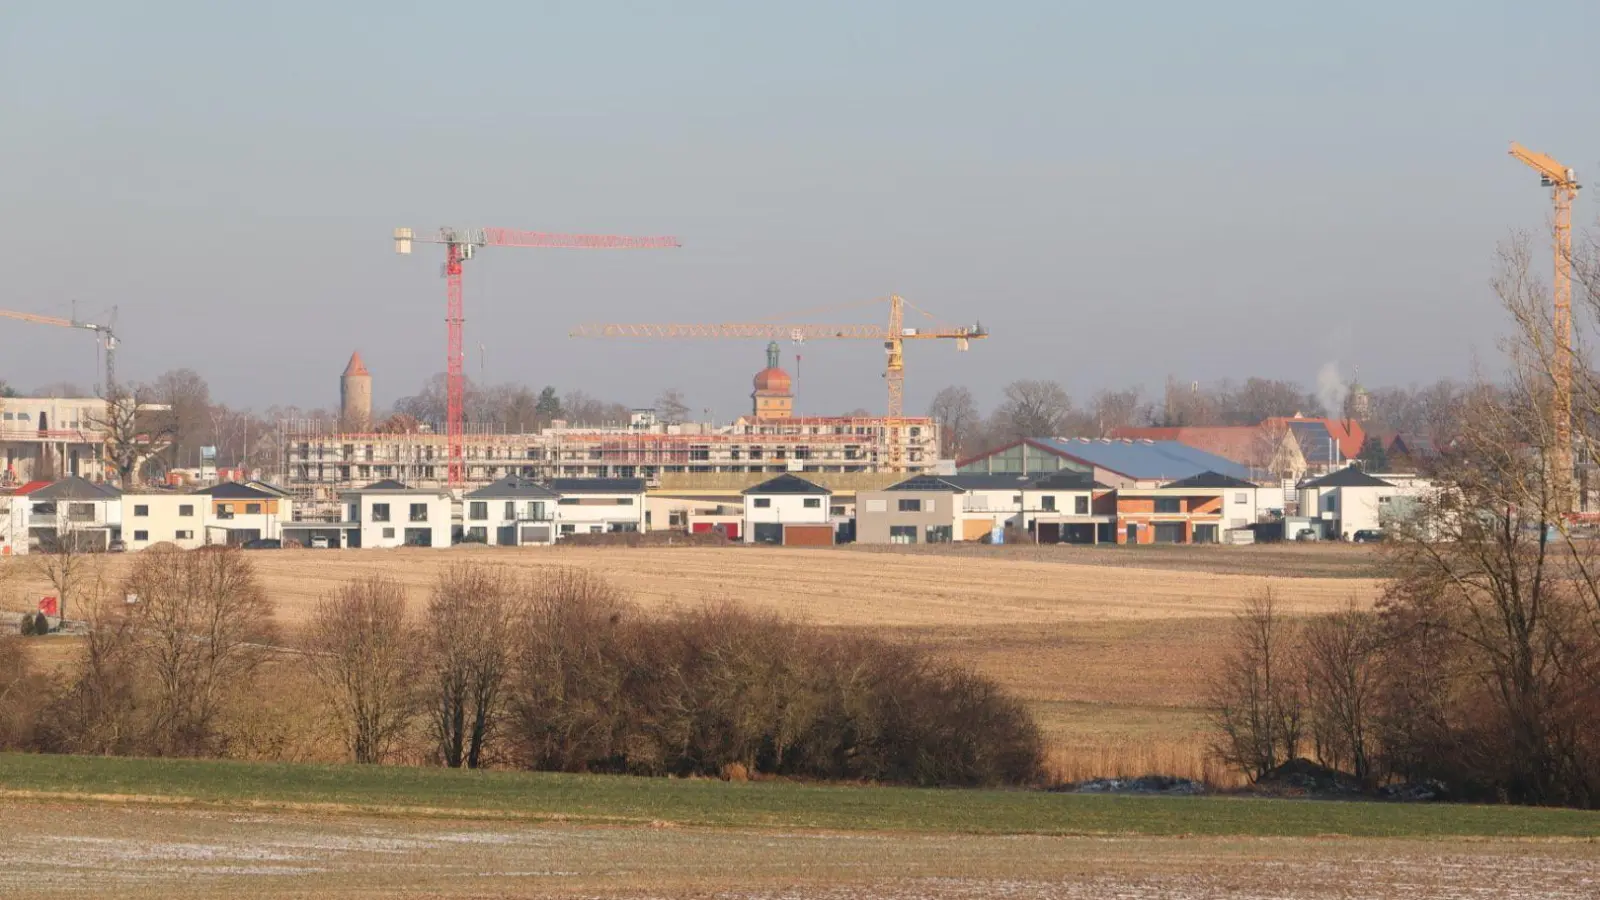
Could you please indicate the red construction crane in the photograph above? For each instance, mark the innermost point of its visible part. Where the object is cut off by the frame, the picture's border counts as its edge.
(459, 246)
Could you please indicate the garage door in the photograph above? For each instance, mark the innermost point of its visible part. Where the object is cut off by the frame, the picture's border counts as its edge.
(536, 534)
(1169, 532)
(808, 535)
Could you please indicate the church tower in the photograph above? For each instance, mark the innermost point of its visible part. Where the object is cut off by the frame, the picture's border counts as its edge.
(773, 397)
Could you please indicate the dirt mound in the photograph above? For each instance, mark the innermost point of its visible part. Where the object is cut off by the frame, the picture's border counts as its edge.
(1304, 777)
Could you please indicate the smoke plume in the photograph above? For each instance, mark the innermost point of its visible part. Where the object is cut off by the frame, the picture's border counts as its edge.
(1331, 389)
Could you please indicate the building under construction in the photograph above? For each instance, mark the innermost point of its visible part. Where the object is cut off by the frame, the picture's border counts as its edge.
(323, 458)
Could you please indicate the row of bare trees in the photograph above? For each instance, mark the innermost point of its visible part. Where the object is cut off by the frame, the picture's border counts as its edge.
(549, 670)
(559, 672)
(1480, 667)
(1034, 408)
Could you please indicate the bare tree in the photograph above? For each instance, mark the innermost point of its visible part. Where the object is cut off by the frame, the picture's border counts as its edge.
(1342, 669)
(467, 654)
(1255, 704)
(1111, 410)
(201, 625)
(135, 434)
(671, 407)
(952, 408)
(1033, 409)
(365, 650)
(72, 570)
(187, 414)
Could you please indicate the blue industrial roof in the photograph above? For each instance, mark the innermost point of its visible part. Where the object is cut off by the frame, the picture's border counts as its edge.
(1144, 460)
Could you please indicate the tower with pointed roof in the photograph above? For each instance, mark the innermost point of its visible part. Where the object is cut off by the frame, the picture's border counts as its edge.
(355, 396)
(773, 397)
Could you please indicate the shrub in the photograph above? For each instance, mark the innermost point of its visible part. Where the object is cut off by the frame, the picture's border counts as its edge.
(716, 690)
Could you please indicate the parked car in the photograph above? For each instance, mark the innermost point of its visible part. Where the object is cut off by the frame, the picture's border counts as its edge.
(1368, 536)
(116, 547)
(1306, 534)
(264, 544)
(319, 542)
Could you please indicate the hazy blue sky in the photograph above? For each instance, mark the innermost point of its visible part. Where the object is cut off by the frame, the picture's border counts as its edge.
(1118, 191)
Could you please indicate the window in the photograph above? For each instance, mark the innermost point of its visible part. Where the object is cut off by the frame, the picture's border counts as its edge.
(186, 509)
(568, 529)
(902, 534)
(624, 501)
(536, 510)
(813, 503)
(763, 503)
(511, 509)
(380, 512)
(252, 509)
(835, 510)
(184, 535)
(224, 510)
(388, 532)
(910, 506)
(419, 513)
(1017, 499)
(478, 511)
(1168, 505)
(141, 535)
(419, 537)
(141, 509)
(80, 512)
(1080, 506)
(1241, 497)
(1048, 503)
(938, 534)
(477, 534)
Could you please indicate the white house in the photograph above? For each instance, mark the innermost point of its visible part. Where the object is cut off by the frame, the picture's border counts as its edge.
(598, 505)
(13, 524)
(1243, 502)
(241, 512)
(511, 512)
(164, 517)
(390, 514)
(772, 506)
(90, 511)
(1347, 501)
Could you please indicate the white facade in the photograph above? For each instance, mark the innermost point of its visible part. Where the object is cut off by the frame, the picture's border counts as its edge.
(164, 518)
(1346, 510)
(62, 435)
(598, 506)
(1243, 506)
(1001, 508)
(400, 517)
(508, 520)
(13, 525)
(783, 509)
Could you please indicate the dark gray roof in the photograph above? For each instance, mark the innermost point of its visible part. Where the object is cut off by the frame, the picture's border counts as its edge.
(512, 486)
(1347, 477)
(1210, 480)
(76, 488)
(597, 485)
(233, 490)
(388, 484)
(787, 484)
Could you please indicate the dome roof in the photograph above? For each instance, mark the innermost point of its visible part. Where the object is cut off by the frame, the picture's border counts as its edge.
(772, 379)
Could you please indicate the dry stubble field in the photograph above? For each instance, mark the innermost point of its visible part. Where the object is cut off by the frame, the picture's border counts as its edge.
(1109, 645)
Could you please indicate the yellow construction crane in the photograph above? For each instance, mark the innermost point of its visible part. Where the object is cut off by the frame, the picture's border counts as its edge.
(893, 337)
(1563, 185)
(105, 334)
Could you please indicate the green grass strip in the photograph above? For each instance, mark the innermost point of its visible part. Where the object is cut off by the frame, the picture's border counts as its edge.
(586, 798)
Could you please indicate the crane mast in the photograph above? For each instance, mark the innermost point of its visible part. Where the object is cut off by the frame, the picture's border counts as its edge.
(893, 336)
(459, 246)
(1563, 184)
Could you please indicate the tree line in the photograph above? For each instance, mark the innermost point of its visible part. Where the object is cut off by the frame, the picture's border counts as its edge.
(1044, 408)
(554, 671)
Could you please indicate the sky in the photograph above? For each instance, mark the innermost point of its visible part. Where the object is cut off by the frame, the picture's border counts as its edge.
(1118, 192)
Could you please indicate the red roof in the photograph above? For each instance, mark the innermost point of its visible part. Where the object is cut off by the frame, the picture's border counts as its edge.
(356, 367)
(32, 486)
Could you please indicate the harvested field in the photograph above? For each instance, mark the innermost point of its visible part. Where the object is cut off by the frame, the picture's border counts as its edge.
(70, 849)
(1109, 654)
